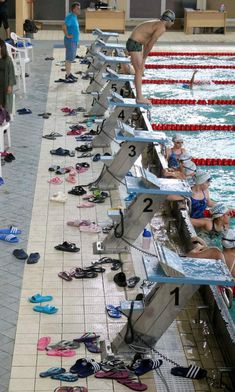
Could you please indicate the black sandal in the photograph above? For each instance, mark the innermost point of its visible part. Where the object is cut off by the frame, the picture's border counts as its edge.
(67, 247)
(77, 191)
(84, 148)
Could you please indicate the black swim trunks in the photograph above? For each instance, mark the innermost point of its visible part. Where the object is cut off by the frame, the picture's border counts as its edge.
(133, 46)
(4, 20)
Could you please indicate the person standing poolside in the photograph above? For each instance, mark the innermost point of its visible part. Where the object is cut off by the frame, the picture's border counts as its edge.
(71, 38)
(140, 43)
(4, 17)
(7, 78)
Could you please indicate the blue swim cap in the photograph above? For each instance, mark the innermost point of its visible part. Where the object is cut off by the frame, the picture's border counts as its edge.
(185, 85)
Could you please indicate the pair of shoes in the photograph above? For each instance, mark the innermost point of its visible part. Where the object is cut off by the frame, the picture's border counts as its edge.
(55, 181)
(67, 247)
(62, 152)
(113, 311)
(9, 157)
(24, 111)
(52, 136)
(121, 281)
(20, 254)
(59, 197)
(38, 298)
(77, 191)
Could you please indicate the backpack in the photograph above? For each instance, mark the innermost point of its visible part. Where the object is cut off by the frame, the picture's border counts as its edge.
(30, 26)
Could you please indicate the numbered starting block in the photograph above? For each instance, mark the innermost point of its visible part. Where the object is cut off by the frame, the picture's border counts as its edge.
(150, 192)
(113, 82)
(100, 63)
(108, 47)
(176, 280)
(104, 36)
(121, 109)
(133, 142)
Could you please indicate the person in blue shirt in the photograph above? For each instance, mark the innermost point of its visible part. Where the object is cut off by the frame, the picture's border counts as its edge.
(71, 38)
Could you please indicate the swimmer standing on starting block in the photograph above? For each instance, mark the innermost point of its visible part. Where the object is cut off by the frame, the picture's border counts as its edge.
(140, 43)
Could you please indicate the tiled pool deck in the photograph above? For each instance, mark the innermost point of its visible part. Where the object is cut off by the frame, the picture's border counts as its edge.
(25, 203)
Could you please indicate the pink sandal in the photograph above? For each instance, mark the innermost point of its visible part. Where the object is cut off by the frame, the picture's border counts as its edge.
(86, 205)
(43, 343)
(92, 228)
(78, 223)
(134, 385)
(71, 179)
(74, 132)
(61, 353)
(55, 181)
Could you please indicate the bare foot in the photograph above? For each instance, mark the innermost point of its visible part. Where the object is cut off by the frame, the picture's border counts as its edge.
(143, 100)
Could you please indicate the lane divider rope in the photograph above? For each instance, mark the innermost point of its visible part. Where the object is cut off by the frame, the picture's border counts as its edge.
(191, 54)
(182, 81)
(187, 66)
(214, 161)
(193, 127)
(157, 101)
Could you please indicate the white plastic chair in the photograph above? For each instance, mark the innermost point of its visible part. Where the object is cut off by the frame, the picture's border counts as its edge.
(5, 131)
(20, 59)
(24, 43)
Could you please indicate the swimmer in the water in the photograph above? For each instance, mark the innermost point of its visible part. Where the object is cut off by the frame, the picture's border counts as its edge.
(193, 82)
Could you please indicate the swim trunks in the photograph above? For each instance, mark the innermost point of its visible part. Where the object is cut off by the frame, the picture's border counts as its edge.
(133, 46)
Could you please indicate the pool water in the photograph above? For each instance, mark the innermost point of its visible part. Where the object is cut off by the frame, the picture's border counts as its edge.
(212, 144)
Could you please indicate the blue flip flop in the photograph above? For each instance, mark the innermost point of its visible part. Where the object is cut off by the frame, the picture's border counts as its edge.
(9, 238)
(11, 230)
(68, 377)
(113, 311)
(52, 372)
(48, 309)
(145, 365)
(38, 298)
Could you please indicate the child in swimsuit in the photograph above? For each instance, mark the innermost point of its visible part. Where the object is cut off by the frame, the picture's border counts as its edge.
(200, 198)
(173, 153)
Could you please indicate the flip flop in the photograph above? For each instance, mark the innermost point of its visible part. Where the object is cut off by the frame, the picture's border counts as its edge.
(60, 80)
(65, 275)
(55, 181)
(83, 274)
(85, 155)
(113, 311)
(54, 168)
(52, 372)
(113, 374)
(193, 372)
(134, 385)
(92, 346)
(132, 282)
(59, 197)
(45, 309)
(78, 223)
(33, 258)
(64, 345)
(77, 191)
(24, 111)
(9, 238)
(96, 157)
(86, 205)
(61, 353)
(11, 230)
(85, 367)
(20, 254)
(71, 179)
(38, 298)
(87, 337)
(71, 389)
(92, 228)
(67, 247)
(142, 366)
(68, 377)
(43, 343)
(84, 148)
(60, 151)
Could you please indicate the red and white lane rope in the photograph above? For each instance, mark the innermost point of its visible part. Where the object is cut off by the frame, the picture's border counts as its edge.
(191, 54)
(193, 127)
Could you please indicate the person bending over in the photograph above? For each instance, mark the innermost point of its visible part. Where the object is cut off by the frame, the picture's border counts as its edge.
(140, 43)
(71, 38)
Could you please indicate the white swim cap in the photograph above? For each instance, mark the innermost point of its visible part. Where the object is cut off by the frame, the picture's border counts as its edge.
(228, 239)
(168, 16)
(201, 177)
(177, 138)
(218, 210)
(185, 156)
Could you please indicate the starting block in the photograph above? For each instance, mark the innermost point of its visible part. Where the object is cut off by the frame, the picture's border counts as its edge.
(176, 280)
(133, 144)
(100, 35)
(122, 109)
(100, 63)
(113, 82)
(150, 192)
